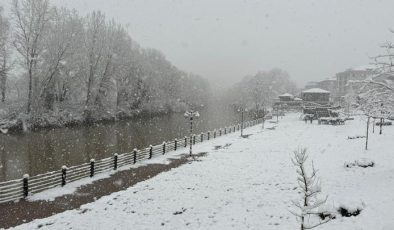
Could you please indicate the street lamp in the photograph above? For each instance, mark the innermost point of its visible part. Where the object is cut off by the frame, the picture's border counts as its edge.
(242, 110)
(191, 114)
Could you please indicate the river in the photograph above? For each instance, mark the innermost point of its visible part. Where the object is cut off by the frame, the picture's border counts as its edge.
(49, 149)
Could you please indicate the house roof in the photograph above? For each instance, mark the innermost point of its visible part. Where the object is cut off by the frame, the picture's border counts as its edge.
(286, 95)
(297, 99)
(316, 90)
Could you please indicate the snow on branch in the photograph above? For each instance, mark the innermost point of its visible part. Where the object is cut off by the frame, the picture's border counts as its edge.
(306, 209)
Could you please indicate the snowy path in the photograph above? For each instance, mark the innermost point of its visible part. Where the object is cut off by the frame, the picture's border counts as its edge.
(250, 184)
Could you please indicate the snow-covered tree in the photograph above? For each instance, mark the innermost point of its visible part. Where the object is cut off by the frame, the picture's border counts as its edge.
(61, 48)
(88, 67)
(258, 91)
(31, 19)
(306, 209)
(4, 53)
(374, 96)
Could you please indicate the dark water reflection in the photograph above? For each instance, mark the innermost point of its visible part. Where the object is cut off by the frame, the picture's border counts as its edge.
(47, 150)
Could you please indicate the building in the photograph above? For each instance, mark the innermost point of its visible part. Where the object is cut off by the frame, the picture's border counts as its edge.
(355, 74)
(288, 102)
(316, 96)
(329, 84)
(311, 85)
(286, 97)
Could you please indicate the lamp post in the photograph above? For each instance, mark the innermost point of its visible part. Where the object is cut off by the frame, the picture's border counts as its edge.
(191, 114)
(242, 110)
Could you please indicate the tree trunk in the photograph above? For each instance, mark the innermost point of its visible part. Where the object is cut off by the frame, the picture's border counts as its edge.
(381, 126)
(366, 141)
(29, 99)
(3, 81)
(89, 86)
(373, 126)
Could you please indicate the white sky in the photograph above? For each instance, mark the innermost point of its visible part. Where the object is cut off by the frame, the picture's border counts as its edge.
(224, 40)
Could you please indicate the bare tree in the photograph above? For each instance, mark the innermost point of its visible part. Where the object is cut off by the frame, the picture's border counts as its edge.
(4, 54)
(31, 18)
(94, 44)
(60, 47)
(306, 209)
(88, 66)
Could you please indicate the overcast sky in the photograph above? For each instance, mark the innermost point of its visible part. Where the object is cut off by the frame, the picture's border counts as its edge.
(224, 40)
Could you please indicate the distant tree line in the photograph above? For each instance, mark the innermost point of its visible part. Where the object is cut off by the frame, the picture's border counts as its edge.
(258, 91)
(57, 64)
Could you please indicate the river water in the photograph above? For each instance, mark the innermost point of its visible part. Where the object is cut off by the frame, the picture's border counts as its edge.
(48, 150)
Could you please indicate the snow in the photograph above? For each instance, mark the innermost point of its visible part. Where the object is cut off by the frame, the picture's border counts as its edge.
(286, 95)
(69, 188)
(364, 67)
(315, 90)
(249, 183)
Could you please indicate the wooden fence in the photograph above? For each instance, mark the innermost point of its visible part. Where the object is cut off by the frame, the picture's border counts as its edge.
(21, 188)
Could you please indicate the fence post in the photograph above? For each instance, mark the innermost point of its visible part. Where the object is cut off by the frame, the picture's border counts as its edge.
(209, 134)
(220, 132)
(150, 151)
(185, 142)
(92, 167)
(25, 185)
(135, 156)
(64, 175)
(194, 139)
(234, 128)
(164, 147)
(202, 137)
(175, 144)
(115, 161)
(214, 133)
(225, 130)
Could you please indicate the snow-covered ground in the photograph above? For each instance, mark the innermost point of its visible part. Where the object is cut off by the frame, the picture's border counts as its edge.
(250, 184)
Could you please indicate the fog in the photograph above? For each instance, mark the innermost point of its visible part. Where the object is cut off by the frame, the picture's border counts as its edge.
(224, 40)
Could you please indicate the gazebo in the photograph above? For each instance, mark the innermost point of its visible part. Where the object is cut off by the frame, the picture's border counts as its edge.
(316, 96)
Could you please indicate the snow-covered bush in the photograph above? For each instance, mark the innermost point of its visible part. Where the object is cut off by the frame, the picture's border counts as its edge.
(308, 209)
(350, 208)
(363, 163)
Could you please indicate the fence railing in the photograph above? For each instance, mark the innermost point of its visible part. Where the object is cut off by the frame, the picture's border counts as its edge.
(21, 188)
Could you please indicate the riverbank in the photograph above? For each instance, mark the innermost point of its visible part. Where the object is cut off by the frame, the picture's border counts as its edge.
(250, 183)
(19, 122)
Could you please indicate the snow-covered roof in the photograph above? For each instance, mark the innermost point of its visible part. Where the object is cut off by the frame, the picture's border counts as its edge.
(297, 99)
(364, 67)
(316, 90)
(330, 79)
(286, 95)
